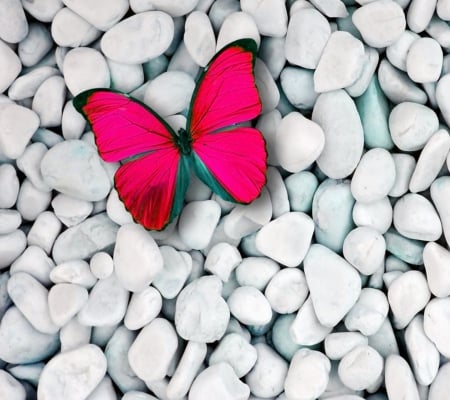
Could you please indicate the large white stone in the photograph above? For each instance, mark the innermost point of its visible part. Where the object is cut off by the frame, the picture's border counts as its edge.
(143, 308)
(10, 65)
(399, 379)
(199, 37)
(376, 215)
(256, 271)
(437, 323)
(338, 344)
(441, 385)
(13, 22)
(287, 238)
(424, 60)
(42, 10)
(222, 259)
(64, 302)
(249, 306)
(26, 85)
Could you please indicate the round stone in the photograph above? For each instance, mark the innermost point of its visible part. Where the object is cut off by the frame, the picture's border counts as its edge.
(376, 215)
(256, 272)
(143, 308)
(13, 22)
(424, 60)
(437, 322)
(249, 306)
(237, 25)
(101, 265)
(11, 388)
(199, 38)
(270, 16)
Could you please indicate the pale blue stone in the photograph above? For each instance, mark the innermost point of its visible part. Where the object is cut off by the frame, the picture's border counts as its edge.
(332, 213)
(394, 263)
(119, 369)
(28, 372)
(373, 108)
(47, 137)
(155, 67)
(301, 188)
(346, 24)
(408, 250)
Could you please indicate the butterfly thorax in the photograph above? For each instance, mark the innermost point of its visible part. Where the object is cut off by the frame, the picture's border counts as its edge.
(184, 140)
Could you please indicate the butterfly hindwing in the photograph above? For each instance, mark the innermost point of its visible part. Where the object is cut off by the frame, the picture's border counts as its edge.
(230, 159)
(152, 186)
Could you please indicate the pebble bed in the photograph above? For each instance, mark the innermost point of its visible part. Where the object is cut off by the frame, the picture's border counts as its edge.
(334, 284)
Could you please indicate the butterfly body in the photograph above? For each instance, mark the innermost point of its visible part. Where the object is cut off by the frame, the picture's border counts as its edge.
(228, 157)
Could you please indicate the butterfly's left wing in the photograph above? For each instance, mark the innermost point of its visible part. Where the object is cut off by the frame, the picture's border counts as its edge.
(152, 186)
(230, 159)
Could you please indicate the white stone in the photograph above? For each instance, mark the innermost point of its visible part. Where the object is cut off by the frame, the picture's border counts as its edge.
(424, 60)
(430, 161)
(13, 22)
(222, 259)
(335, 71)
(439, 30)
(370, 64)
(442, 89)
(333, 283)
(11, 388)
(237, 25)
(201, 313)
(187, 369)
(83, 175)
(412, 125)
(175, 8)
(85, 68)
(176, 269)
(272, 53)
(42, 10)
(10, 186)
(72, 122)
(71, 30)
(26, 85)
(219, 382)
(197, 223)
(293, 232)
(10, 220)
(287, 290)
(125, 77)
(235, 350)
(423, 354)
(64, 302)
(306, 328)
(35, 262)
(436, 260)
(308, 375)
(101, 265)
(29, 163)
(380, 22)
(17, 126)
(71, 211)
(256, 272)
(397, 86)
(220, 10)
(10, 65)
(270, 16)
(44, 231)
(376, 215)
(397, 52)
(419, 14)
(151, 32)
(440, 386)
(267, 377)
(408, 294)
(440, 190)
(331, 8)
(32, 201)
(404, 169)
(249, 306)
(74, 374)
(374, 176)
(416, 218)
(30, 297)
(107, 303)
(20, 343)
(299, 142)
(76, 271)
(199, 37)
(137, 258)
(153, 350)
(169, 93)
(336, 113)
(361, 368)
(267, 88)
(277, 191)
(116, 209)
(399, 379)
(103, 14)
(338, 344)
(298, 86)
(35, 46)
(369, 312)
(307, 34)
(437, 323)
(365, 249)
(143, 308)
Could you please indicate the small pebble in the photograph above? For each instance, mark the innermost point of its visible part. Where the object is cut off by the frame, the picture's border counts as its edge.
(287, 290)
(10, 186)
(361, 368)
(152, 351)
(374, 176)
(308, 375)
(71, 211)
(405, 249)
(222, 259)
(416, 218)
(36, 263)
(270, 16)
(437, 322)
(338, 344)
(442, 89)
(73, 374)
(249, 306)
(64, 302)
(143, 308)
(419, 14)
(439, 191)
(10, 220)
(399, 379)
(298, 87)
(31, 202)
(101, 265)
(44, 231)
(256, 272)
(29, 163)
(35, 46)
(380, 22)
(440, 386)
(376, 215)
(404, 169)
(435, 259)
(237, 25)
(199, 37)
(11, 388)
(235, 350)
(408, 295)
(333, 283)
(424, 60)
(267, 377)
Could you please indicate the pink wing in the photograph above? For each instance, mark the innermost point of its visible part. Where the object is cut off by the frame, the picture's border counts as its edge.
(153, 186)
(123, 127)
(226, 93)
(230, 159)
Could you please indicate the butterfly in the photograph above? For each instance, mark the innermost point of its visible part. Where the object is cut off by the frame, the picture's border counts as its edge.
(156, 161)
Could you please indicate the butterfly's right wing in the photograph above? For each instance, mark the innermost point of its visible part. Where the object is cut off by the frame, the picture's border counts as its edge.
(152, 186)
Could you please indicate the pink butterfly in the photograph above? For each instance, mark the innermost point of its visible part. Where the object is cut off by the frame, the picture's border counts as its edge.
(229, 158)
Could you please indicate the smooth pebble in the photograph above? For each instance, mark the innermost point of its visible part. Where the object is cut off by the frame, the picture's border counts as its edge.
(199, 37)
(376, 215)
(399, 379)
(13, 22)
(249, 306)
(256, 272)
(437, 322)
(338, 344)
(424, 60)
(237, 25)
(9, 64)
(70, 210)
(436, 259)
(10, 186)
(440, 386)
(11, 388)
(64, 302)
(270, 16)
